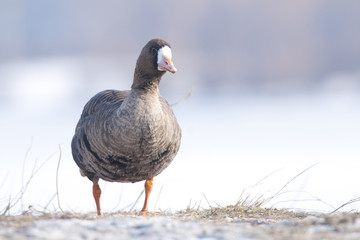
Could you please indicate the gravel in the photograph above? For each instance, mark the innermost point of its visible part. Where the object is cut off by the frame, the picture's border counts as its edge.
(178, 226)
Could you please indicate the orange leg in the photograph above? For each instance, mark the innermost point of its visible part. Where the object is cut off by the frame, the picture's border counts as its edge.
(148, 188)
(97, 193)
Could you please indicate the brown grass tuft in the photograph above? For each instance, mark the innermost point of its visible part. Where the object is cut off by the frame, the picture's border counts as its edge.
(245, 212)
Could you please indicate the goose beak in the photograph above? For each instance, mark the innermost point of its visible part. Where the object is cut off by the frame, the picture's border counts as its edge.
(166, 65)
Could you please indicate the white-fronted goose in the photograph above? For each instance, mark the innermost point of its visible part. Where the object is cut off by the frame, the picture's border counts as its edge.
(129, 136)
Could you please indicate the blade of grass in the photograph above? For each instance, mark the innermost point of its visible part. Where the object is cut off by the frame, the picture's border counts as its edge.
(137, 200)
(57, 180)
(291, 180)
(207, 201)
(157, 199)
(347, 203)
(23, 171)
(186, 97)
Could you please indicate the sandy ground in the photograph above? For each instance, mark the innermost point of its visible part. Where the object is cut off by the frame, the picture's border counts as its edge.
(225, 223)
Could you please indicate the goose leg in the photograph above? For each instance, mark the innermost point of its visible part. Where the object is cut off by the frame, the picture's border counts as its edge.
(148, 188)
(97, 193)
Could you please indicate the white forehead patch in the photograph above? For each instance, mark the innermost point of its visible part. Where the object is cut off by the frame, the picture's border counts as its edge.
(165, 51)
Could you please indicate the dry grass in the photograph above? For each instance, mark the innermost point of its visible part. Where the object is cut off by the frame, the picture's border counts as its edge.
(257, 222)
(247, 206)
(245, 212)
(17, 201)
(32, 215)
(216, 215)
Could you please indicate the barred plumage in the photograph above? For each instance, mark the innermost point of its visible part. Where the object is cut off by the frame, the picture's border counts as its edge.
(129, 136)
(125, 141)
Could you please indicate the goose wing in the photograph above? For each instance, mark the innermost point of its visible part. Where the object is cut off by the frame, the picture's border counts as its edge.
(97, 109)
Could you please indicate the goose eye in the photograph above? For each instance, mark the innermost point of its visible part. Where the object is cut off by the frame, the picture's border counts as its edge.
(154, 49)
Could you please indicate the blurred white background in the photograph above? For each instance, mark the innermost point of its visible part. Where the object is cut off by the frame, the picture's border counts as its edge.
(276, 89)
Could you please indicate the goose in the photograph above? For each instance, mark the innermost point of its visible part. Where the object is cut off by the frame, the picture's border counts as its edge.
(129, 136)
